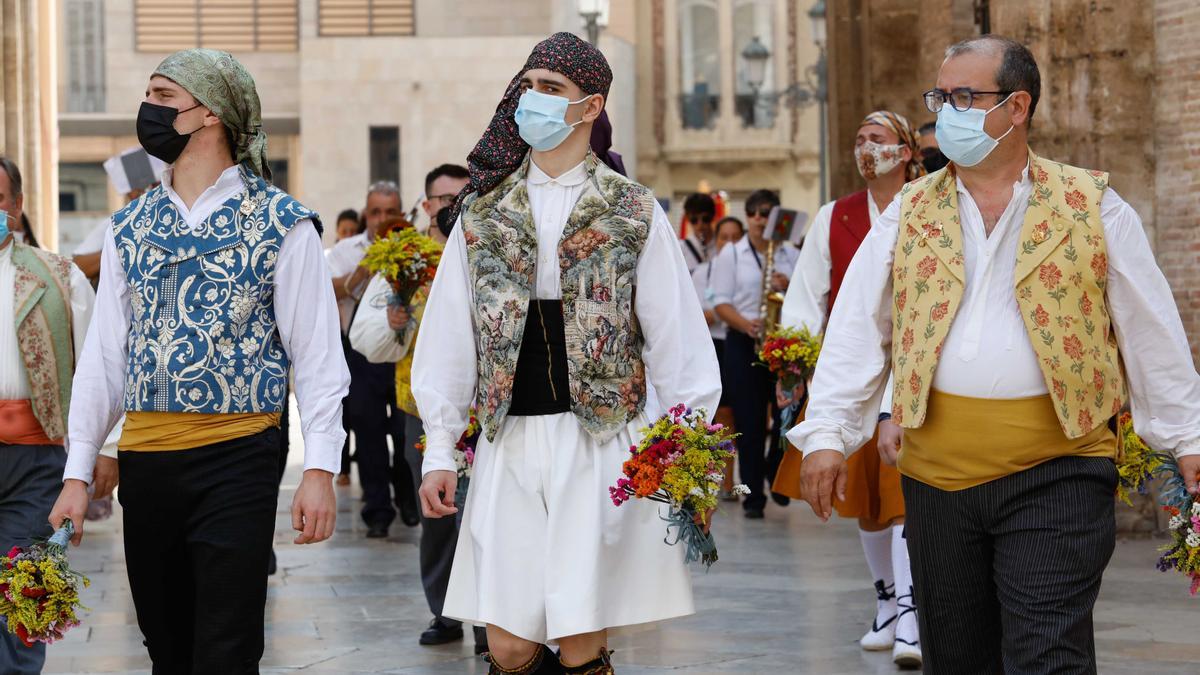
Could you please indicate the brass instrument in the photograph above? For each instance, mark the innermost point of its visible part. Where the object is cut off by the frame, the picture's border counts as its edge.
(772, 301)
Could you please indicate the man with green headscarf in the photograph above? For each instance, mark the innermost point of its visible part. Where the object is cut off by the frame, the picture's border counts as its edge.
(213, 286)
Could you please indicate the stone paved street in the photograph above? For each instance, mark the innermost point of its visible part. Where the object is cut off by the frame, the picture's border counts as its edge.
(789, 596)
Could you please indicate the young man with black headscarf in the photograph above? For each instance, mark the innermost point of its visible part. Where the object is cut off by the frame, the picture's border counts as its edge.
(212, 286)
(534, 314)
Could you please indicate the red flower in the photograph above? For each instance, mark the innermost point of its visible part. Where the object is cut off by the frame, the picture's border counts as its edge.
(1100, 266)
(1076, 200)
(1042, 176)
(927, 267)
(917, 197)
(33, 592)
(939, 311)
(1073, 347)
(1085, 420)
(1085, 305)
(914, 383)
(902, 300)
(13, 552)
(1050, 275)
(1040, 316)
(906, 342)
(1060, 389)
(1098, 379)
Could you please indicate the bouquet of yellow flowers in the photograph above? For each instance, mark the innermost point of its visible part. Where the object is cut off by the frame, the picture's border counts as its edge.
(406, 258)
(1138, 463)
(39, 593)
(680, 462)
(791, 355)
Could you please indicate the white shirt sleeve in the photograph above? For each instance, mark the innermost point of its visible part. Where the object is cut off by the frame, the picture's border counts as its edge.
(724, 276)
(1163, 384)
(681, 362)
(370, 334)
(306, 314)
(98, 388)
(444, 372)
(807, 301)
(849, 384)
(83, 300)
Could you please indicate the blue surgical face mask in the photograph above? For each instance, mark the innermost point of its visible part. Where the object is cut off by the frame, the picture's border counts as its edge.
(4, 231)
(961, 137)
(541, 119)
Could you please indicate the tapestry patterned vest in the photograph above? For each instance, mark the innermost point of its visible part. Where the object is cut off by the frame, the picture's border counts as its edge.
(849, 225)
(202, 335)
(1060, 278)
(42, 306)
(598, 256)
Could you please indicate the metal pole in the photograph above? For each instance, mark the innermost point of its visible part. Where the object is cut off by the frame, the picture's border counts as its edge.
(823, 104)
(824, 160)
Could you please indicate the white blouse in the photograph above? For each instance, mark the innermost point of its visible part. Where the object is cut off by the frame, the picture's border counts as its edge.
(737, 275)
(305, 312)
(987, 353)
(681, 365)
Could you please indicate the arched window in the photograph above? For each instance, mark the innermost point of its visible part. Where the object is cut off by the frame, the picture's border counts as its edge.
(699, 63)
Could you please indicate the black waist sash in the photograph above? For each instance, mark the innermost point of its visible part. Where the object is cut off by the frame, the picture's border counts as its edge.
(540, 385)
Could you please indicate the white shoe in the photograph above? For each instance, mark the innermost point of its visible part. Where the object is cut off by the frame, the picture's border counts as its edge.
(906, 655)
(880, 639)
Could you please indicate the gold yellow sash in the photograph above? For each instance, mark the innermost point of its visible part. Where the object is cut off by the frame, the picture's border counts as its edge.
(164, 431)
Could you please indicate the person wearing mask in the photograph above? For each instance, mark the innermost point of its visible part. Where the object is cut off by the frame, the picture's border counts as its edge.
(371, 411)
(728, 230)
(442, 186)
(1021, 306)
(46, 303)
(931, 155)
(212, 286)
(737, 288)
(699, 210)
(532, 315)
(885, 150)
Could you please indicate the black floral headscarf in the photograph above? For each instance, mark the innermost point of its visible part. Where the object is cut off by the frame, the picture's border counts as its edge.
(501, 150)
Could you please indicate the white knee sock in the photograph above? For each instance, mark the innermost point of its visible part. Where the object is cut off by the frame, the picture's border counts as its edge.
(906, 625)
(878, 548)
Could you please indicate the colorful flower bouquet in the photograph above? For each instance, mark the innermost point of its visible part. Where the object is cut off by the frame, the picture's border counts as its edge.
(39, 593)
(407, 259)
(791, 355)
(680, 462)
(1137, 466)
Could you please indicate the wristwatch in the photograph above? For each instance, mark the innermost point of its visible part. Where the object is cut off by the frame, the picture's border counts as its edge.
(883, 416)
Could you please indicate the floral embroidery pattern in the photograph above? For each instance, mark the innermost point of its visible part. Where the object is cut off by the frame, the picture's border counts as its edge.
(203, 336)
(598, 255)
(1063, 306)
(42, 305)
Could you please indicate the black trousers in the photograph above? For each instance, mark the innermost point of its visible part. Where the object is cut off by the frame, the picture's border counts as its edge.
(198, 530)
(752, 390)
(373, 416)
(1006, 573)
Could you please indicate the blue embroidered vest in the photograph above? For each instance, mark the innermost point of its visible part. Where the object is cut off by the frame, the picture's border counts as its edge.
(202, 335)
(598, 255)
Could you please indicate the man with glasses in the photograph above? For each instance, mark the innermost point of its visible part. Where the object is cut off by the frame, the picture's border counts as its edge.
(442, 186)
(1014, 295)
(699, 210)
(372, 386)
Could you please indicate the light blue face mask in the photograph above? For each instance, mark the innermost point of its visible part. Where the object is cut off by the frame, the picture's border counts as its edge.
(961, 137)
(542, 119)
(4, 231)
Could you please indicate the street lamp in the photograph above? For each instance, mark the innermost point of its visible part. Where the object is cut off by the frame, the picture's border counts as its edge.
(816, 16)
(595, 17)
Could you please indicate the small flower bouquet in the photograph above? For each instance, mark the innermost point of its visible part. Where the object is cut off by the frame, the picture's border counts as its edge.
(1138, 463)
(464, 456)
(1183, 553)
(791, 355)
(407, 259)
(39, 593)
(680, 462)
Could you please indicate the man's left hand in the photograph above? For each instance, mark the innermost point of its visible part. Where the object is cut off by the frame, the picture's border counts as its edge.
(314, 508)
(779, 282)
(105, 477)
(1189, 468)
(397, 317)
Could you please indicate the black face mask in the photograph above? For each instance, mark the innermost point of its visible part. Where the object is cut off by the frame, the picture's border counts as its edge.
(444, 223)
(156, 131)
(933, 160)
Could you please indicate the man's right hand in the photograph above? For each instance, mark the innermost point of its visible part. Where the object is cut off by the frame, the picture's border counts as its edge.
(786, 398)
(752, 327)
(437, 494)
(397, 317)
(72, 503)
(823, 475)
(890, 435)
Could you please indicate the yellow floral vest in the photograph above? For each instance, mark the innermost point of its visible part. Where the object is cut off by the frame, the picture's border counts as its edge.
(1060, 279)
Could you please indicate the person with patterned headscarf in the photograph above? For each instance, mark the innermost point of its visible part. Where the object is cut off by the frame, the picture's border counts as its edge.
(886, 152)
(533, 316)
(213, 287)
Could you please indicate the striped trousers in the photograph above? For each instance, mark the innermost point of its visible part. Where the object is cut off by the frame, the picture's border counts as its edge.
(1006, 573)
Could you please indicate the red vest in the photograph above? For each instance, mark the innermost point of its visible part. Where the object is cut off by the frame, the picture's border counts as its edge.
(848, 227)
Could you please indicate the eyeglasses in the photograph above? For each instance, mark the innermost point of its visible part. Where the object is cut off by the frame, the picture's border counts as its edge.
(444, 199)
(962, 99)
(764, 212)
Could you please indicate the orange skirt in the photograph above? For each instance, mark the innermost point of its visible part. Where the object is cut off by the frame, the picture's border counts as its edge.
(872, 487)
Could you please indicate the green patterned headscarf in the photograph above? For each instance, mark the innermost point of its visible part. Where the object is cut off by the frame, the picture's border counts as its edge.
(224, 86)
